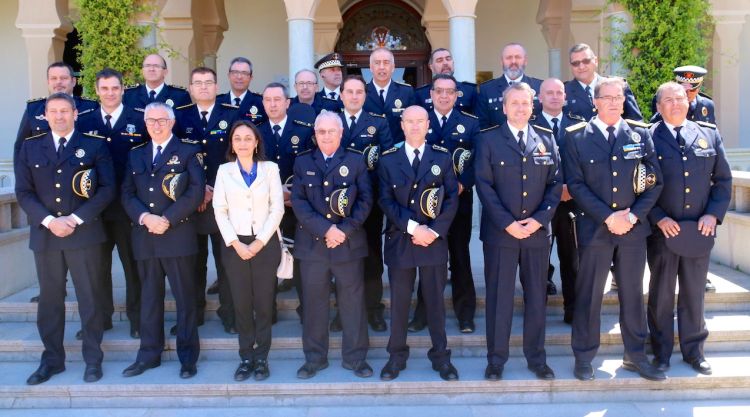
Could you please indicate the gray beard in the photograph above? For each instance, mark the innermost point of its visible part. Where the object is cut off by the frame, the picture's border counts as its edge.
(513, 74)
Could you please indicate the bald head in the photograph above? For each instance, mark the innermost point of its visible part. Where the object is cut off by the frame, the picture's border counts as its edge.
(552, 96)
(415, 122)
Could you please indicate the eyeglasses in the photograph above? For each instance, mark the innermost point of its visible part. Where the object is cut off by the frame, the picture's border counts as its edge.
(306, 83)
(584, 61)
(153, 66)
(153, 122)
(611, 99)
(236, 73)
(444, 91)
(208, 83)
(672, 100)
(322, 132)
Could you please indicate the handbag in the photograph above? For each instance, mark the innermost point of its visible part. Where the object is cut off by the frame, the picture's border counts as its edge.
(286, 265)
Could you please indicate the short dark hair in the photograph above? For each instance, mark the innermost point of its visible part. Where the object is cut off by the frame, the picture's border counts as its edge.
(353, 77)
(580, 47)
(163, 61)
(202, 70)
(261, 152)
(108, 73)
(60, 64)
(277, 85)
(443, 77)
(432, 55)
(60, 96)
(243, 60)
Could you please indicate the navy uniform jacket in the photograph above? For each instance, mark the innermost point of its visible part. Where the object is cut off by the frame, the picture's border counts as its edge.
(142, 192)
(251, 106)
(296, 138)
(514, 185)
(701, 110)
(702, 168)
(566, 121)
(460, 131)
(371, 129)
(400, 192)
(136, 96)
(312, 186)
(33, 122)
(467, 97)
(578, 102)
(489, 107)
(44, 188)
(319, 104)
(321, 95)
(600, 179)
(399, 97)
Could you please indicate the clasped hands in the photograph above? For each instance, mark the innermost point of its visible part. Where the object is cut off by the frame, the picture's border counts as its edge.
(247, 251)
(334, 237)
(62, 226)
(521, 229)
(156, 224)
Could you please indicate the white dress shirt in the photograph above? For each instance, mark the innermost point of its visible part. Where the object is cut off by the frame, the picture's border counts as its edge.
(56, 141)
(115, 114)
(411, 225)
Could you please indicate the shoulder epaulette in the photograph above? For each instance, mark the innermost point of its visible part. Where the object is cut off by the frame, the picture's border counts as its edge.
(138, 109)
(328, 98)
(576, 126)
(255, 93)
(185, 106)
(542, 128)
(637, 123)
(305, 152)
(301, 123)
(532, 118)
(486, 129)
(574, 116)
(231, 106)
(469, 115)
(190, 141)
(179, 87)
(88, 99)
(354, 150)
(36, 136)
(705, 95)
(376, 114)
(706, 124)
(91, 135)
(31, 100)
(486, 81)
(402, 83)
(81, 113)
(139, 146)
(136, 85)
(439, 148)
(387, 151)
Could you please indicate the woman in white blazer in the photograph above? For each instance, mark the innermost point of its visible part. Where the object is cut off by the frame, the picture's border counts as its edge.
(249, 203)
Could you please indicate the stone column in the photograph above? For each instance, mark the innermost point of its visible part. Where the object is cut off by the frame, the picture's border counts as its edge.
(435, 21)
(327, 24)
(619, 24)
(554, 17)
(300, 22)
(461, 19)
(44, 27)
(177, 31)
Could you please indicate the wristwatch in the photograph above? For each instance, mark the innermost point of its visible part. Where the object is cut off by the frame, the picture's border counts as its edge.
(632, 219)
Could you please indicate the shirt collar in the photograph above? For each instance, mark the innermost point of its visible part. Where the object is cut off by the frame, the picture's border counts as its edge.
(210, 110)
(549, 118)
(327, 92)
(349, 115)
(603, 126)
(232, 96)
(282, 123)
(163, 145)
(440, 116)
(327, 156)
(115, 114)
(410, 151)
(57, 137)
(515, 131)
(157, 89)
(593, 84)
(517, 80)
(671, 127)
(378, 88)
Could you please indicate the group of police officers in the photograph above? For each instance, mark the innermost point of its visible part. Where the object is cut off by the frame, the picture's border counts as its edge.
(572, 161)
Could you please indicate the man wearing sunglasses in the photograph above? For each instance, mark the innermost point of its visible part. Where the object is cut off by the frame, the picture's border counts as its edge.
(580, 90)
(701, 108)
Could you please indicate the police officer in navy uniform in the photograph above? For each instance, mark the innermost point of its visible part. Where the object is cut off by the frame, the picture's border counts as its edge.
(552, 117)
(123, 129)
(165, 239)
(60, 79)
(696, 194)
(308, 104)
(370, 134)
(519, 185)
(207, 122)
(330, 242)
(489, 106)
(579, 91)
(441, 62)
(600, 158)
(701, 107)
(415, 237)
(386, 96)
(284, 138)
(455, 130)
(64, 180)
(154, 71)
(330, 69)
(249, 102)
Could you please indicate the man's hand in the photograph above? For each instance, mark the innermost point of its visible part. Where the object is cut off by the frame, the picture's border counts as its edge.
(618, 222)
(207, 197)
(460, 188)
(287, 190)
(565, 196)
(61, 226)
(517, 230)
(334, 237)
(242, 250)
(156, 224)
(669, 227)
(423, 236)
(707, 225)
(530, 224)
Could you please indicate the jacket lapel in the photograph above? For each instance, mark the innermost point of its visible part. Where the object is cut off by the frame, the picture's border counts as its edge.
(664, 135)
(405, 165)
(48, 147)
(689, 134)
(598, 138)
(166, 153)
(532, 141)
(512, 140)
(425, 162)
(69, 149)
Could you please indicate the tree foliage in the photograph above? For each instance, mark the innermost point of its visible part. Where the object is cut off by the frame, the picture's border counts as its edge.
(665, 34)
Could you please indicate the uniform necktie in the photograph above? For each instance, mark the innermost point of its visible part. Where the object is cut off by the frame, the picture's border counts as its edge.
(521, 143)
(511, 83)
(108, 122)
(611, 136)
(680, 139)
(237, 101)
(382, 96)
(151, 96)
(328, 161)
(332, 94)
(555, 128)
(204, 119)
(588, 93)
(158, 155)
(443, 120)
(276, 133)
(61, 147)
(353, 124)
(415, 161)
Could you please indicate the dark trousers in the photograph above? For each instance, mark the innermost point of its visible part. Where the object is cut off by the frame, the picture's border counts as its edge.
(181, 274)
(85, 269)
(253, 283)
(567, 253)
(500, 268)
(226, 309)
(595, 261)
(288, 226)
(119, 234)
(316, 284)
(463, 293)
(432, 280)
(373, 226)
(666, 268)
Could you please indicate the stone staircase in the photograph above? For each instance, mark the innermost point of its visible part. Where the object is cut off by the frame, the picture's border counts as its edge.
(418, 390)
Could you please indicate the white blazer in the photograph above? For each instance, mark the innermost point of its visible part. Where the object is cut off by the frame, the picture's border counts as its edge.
(246, 211)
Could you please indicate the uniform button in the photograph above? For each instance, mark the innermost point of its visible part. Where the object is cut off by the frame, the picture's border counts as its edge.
(59, 213)
(614, 189)
(460, 140)
(687, 206)
(36, 166)
(412, 201)
(524, 176)
(152, 175)
(325, 182)
(150, 204)
(59, 171)
(204, 141)
(614, 174)
(309, 185)
(660, 157)
(415, 186)
(394, 185)
(687, 173)
(687, 190)
(151, 188)
(221, 140)
(523, 211)
(58, 199)
(57, 185)
(328, 216)
(525, 193)
(328, 199)
(614, 158)
(614, 205)
(352, 144)
(524, 159)
(502, 163)
(684, 158)
(344, 184)
(110, 140)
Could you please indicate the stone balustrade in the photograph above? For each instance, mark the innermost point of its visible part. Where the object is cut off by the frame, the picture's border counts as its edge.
(732, 246)
(17, 260)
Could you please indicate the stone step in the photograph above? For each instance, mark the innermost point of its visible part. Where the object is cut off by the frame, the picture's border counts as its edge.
(214, 386)
(728, 331)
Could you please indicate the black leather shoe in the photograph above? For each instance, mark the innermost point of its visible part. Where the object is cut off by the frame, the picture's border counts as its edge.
(135, 331)
(309, 369)
(214, 288)
(710, 287)
(568, 316)
(43, 374)
(416, 325)
(230, 329)
(361, 368)
(79, 335)
(285, 285)
(493, 372)
(336, 326)
(466, 326)
(188, 370)
(645, 370)
(447, 371)
(660, 365)
(173, 330)
(391, 370)
(92, 373)
(543, 372)
(261, 370)
(34, 299)
(584, 371)
(551, 288)
(138, 368)
(701, 366)
(244, 370)
(376, 321)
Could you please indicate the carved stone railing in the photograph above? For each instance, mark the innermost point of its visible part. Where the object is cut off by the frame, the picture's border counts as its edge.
(17, 260)
(733, 236)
